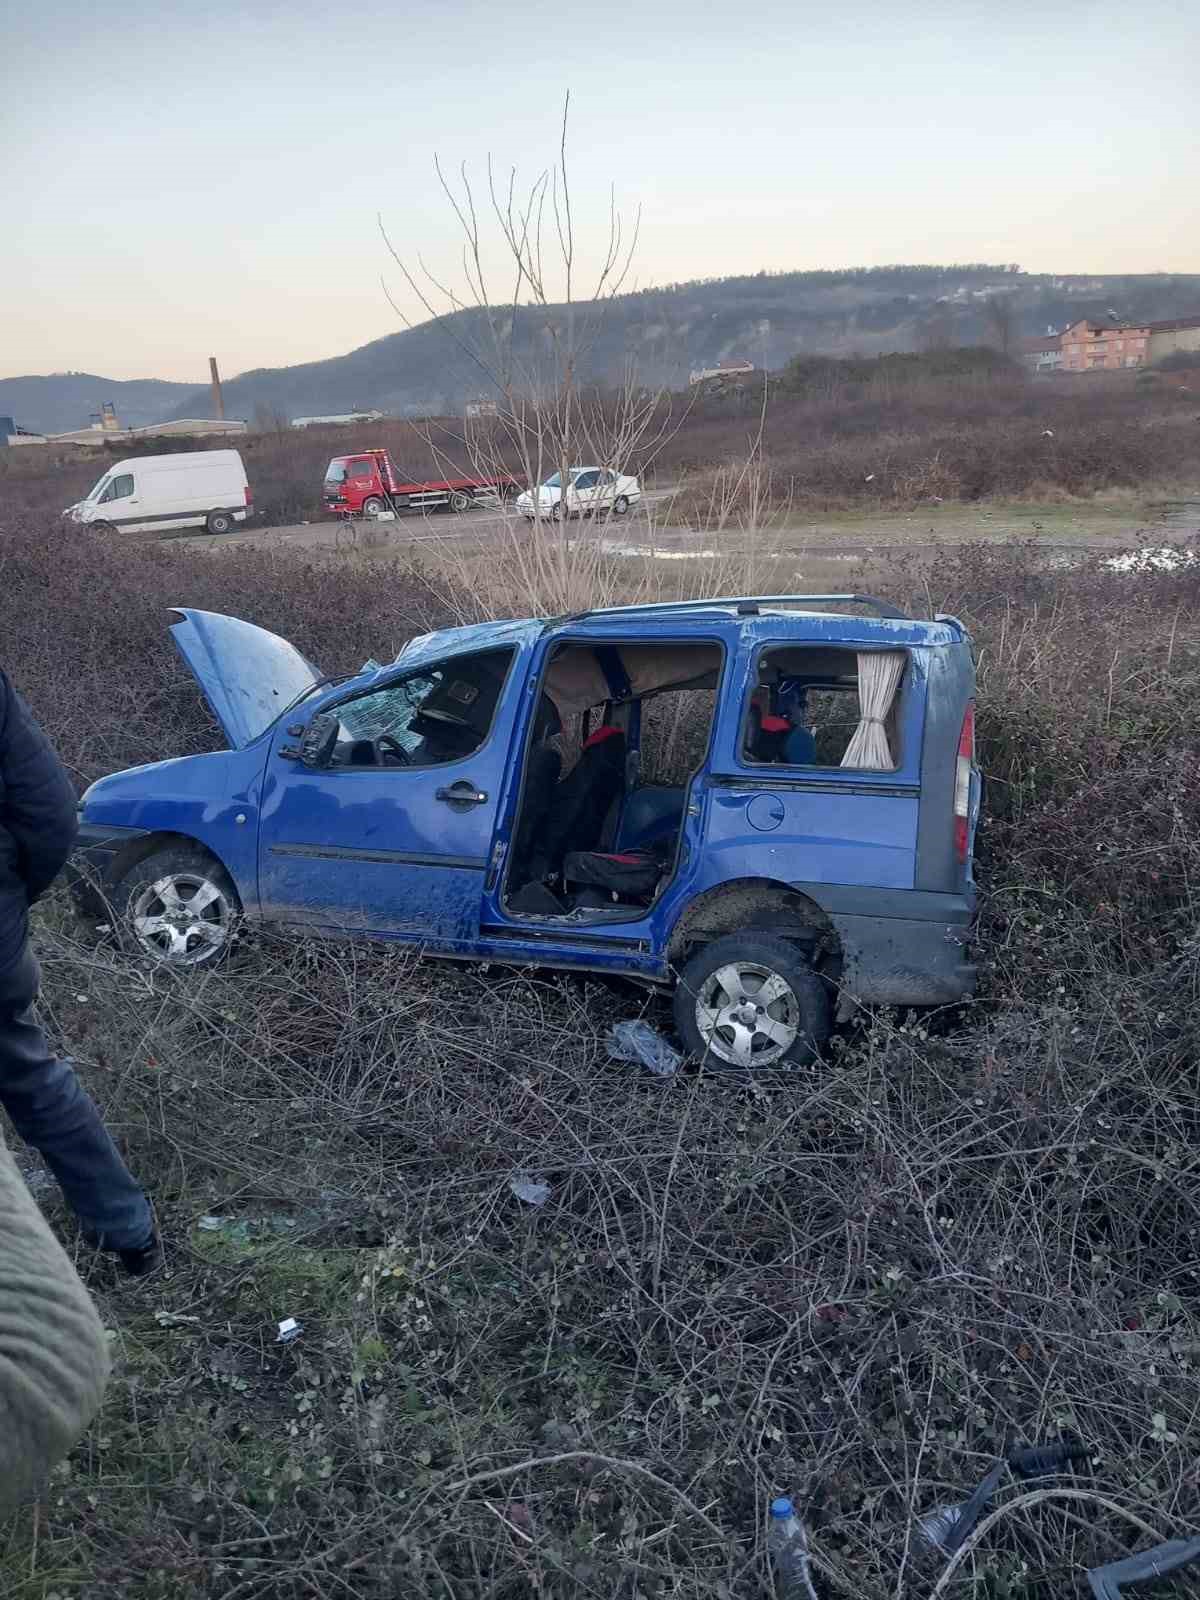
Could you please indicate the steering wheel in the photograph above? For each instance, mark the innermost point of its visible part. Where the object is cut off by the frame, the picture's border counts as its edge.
(393, 747)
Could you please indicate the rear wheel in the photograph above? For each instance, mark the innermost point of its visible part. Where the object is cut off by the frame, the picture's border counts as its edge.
(373, 505)
(177, 906)
(461, 501)
(750, 1000)
(219, 521)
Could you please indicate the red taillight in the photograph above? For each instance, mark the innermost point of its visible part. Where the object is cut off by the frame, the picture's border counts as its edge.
(249, 495)
(962, 783)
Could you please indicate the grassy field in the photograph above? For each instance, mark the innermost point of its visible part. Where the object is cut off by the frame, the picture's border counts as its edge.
(854, 1286)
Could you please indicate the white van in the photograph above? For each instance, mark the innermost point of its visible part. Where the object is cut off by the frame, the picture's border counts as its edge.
(193, 489)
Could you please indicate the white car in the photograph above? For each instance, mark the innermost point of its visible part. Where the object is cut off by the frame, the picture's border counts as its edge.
(589, 490)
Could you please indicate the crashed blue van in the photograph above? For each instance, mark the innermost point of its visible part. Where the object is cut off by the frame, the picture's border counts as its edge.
(767, 805)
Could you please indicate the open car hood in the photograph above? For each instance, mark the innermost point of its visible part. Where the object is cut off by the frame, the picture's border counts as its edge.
(248, 675)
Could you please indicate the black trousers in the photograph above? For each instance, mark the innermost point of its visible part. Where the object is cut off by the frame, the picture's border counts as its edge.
(51, 1111)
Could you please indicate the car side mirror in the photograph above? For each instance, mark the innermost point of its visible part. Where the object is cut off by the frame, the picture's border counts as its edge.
(318, 740)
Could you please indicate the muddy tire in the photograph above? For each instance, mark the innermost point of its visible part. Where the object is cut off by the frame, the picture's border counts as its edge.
(461, 501)
(750, 1001)
(372, 506)
(177, 906)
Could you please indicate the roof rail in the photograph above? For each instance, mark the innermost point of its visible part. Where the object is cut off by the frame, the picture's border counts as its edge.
(747, 604)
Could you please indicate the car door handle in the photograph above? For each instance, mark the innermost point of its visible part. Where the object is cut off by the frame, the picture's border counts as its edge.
(462, 794)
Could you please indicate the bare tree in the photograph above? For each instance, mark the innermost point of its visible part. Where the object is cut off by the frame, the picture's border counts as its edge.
(531, 345)
(998, 311)
(937, 332)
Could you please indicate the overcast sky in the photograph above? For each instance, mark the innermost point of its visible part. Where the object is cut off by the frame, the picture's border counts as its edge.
(181, 182)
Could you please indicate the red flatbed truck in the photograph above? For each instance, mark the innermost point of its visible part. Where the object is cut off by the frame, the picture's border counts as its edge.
(370, 482)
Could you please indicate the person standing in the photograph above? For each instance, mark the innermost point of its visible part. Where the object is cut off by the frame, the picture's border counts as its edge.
(39, 1090)
(54, 1358)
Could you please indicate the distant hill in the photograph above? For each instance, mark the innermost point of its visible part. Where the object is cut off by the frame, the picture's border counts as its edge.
(65, 400)
(767, 318)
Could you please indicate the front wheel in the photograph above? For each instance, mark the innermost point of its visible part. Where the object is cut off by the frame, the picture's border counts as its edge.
(177, 906)
(219, 521)
(372, 506)
(750, 1000)
(620, 505)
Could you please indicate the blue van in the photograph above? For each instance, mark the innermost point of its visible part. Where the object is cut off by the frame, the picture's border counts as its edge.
(765, 805)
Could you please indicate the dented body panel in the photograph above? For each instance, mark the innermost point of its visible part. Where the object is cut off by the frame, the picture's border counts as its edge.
(863, 862)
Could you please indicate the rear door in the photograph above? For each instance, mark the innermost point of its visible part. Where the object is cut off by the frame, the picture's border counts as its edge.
(392, 834)
(781, 803)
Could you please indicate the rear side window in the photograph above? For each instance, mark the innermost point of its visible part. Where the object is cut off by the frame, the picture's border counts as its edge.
(362, 469)
(820, 707)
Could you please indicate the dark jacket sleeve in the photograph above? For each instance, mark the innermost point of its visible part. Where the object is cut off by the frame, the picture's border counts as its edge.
(39, 799)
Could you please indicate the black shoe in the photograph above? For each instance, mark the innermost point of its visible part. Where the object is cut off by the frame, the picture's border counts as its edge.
(144, 1260)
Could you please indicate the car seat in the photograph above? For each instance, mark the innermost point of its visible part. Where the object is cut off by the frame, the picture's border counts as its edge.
(543, 768)
(599, 878)
(581, 802)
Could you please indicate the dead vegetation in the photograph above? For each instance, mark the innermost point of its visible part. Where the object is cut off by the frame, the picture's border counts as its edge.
(854, 1286)
(840, 440)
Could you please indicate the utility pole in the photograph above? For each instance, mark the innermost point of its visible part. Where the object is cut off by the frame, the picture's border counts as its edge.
(218, 399)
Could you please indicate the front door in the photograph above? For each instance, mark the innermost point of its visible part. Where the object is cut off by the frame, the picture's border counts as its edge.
(388, 828)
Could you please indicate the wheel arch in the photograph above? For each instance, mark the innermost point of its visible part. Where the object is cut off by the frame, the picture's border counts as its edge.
(137, 850)
(764, 904)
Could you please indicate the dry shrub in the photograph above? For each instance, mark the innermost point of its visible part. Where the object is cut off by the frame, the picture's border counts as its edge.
(857, 1285)
(84, 621)
(951, 440)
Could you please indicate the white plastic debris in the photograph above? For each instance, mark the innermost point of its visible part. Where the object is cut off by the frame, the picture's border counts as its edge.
(1154, 558)
(289, 1329)
(529, 1189)
(644, 1046)
(211, 1224)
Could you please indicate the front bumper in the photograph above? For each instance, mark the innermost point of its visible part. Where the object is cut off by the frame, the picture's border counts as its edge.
(89, 872)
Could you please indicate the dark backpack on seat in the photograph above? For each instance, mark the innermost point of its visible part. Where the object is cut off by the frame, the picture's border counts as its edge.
(629, 875)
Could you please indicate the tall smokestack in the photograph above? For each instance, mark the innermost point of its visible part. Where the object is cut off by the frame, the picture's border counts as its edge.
(218, 399)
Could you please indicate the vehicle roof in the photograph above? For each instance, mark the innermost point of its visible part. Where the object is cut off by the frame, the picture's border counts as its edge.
(184, 457)
(690, 620)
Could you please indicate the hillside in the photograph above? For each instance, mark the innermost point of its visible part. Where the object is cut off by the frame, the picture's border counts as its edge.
(766, 317)
(64, 400)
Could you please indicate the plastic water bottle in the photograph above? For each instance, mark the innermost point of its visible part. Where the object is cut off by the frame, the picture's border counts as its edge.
(787, 1543)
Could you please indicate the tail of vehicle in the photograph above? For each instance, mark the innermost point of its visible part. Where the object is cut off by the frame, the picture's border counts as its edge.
(964, 783)
(950, 782)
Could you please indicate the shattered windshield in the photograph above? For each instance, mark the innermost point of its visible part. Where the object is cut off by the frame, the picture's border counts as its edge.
(389, 711)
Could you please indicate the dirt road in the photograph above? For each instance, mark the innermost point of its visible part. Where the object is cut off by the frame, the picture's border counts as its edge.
(818, 548)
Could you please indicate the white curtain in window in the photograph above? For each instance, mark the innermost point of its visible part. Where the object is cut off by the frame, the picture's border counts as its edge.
(879, 673)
